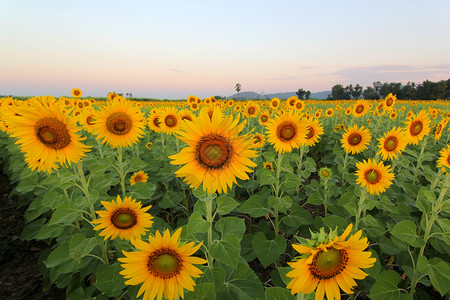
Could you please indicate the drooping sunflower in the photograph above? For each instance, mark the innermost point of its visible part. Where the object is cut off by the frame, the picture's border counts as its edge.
(140, 176)
(216, 154)
(393, 143)
(330, 265)
(268, 165)
(47, 134)
(355, 140)
(119, 123)
(163, 266)
(315, 130)
(258, 140)
(125, 219)
(389, 102)
(444, 158)
(170, 122)
(76, 93)
(376, 177)
(360, 108)
(286, 132)
(417, 127)
(153, 122)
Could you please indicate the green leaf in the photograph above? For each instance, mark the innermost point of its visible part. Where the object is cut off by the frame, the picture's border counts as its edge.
(335, 221)
(385, 288)
(227, 250)
(203, 195)
(374, 228)
(406, 231)
(109, 281)
(269, 156)
(59, 256)
(268, 251)
(425, 198)
(137, 164)
(202, 291)
(196, 224)
(80, 246)
(231, 225)
(143, 190)
(315, 199)
(291, 181)
(171, 199)
(65, 214)
(244, 285)
(267, 178)
(280, 203)
(225, 204)
(255, 206)
(298, 216)
(438, 271)
(278, 293)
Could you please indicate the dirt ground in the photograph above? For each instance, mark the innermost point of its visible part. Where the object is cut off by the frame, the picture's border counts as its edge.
(20, 277)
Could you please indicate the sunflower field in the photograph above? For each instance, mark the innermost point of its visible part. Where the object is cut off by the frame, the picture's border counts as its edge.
(234, 199)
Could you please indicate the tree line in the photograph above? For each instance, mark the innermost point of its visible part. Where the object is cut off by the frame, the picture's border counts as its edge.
(427, 90)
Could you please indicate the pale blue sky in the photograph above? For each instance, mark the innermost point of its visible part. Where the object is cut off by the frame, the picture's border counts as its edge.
(171, 49)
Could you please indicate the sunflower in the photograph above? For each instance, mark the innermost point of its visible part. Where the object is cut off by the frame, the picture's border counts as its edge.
(140, 176)
(444, 159)
(439, 129)
(268, 165)
(330, 265)
(393, 143)
(393, 115)
(290, 102)
(153, 122)
(163, 266)
(315, 130)
(389, 101)
(299, 105)
(76, 93)
(264, 118)
(325, 173)
(355, 140)
(119, 123)
(251, 110)
(417, 127)
(191, 99)
(360, 108)
(286, 132)
(170, 122)
(46, 133)
(375, 176)
(258, 140)
(149, 145)
(194, 106)
(318, 113)
(216, 154)
(329, 112)
(87, 119)
(124, 219)
(186, 115)
(274, 103)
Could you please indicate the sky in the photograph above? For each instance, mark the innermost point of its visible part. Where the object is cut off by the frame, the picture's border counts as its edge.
(173, 49)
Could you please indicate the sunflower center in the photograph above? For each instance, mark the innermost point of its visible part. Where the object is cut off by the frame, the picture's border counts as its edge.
(438, 129)
(53, 133)
(119, 123)
(257, 140)
(171, 121)
(329, 112)
(325, 173)
(90, 120)
(76, 93)
(390, 143)
(251, 110)
(328, 264)
(156, 121)
(359, 109)
(164, 263)
(372, 176)
(214, 151)
(186, 118)
(275, 104)
(124, 218)
(448, 159)
(264, 118)
(292, 102)
(138, 178)
(354, 139)
(389, 102)
(416, 128)
(286, 131)
(299, 106)
(310, 133)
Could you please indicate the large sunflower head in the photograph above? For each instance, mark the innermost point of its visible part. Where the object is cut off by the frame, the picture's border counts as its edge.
(393, 143)
(125, 219)
(286, 132)
(216, 154)
(163, 266)
(47, 134)
(356, 140)
(119, 123)
(330, 262)
(315, 130)
(417, 127)
(170, 122)
(360, 108)
(76, 93)
(376, 177)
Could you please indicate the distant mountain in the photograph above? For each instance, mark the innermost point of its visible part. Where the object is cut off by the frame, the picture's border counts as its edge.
(256, 96)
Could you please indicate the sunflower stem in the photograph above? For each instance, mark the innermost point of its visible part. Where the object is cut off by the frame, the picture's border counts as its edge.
(361, 208)
(85, 188)
(277, 190)
(121, 173)
(105, 252)
(100, 148)
(419, 159)
(209, 219)
(344, 173)
(300, 296)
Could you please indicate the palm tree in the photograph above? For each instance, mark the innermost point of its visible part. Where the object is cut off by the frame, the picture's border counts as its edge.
(238, 88)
